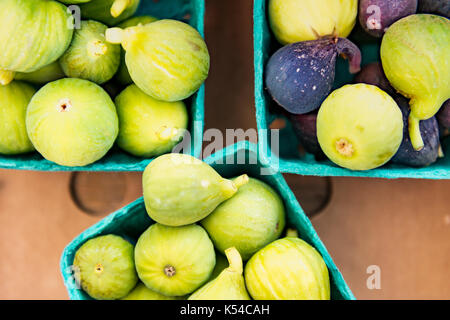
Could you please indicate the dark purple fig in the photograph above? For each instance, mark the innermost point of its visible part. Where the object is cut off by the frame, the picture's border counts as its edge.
(429, 130)
(373, 74)
(441, 7)
(375, 16)
(300, 75)
(305, 129)
(443, 116)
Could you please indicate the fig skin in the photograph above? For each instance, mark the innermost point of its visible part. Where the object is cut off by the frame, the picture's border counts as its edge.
(14, 99)
(440, 7)
(90, 56)
(248, 221)
(104, 266)
(373, 74)
(415, 53)
(305, 128)
(359, 127)
(376, 23)
(141, 292)
(49, 73)
(180, 189)
(302, 20)
(174, 261)
(229, 285)
(443, 116)
(167, 59)
(287, 269)
(109, 12)
(148, 127)
(72, 122)
(299, 76)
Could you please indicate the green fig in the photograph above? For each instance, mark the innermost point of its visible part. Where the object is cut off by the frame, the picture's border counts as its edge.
(14, 99)
(72, 122)
(149, 127)
(249, 220)
(174, 261)
(33, 34)
(110, 12)
(123, 76)
(49, 73)
(167, 59)
(229, 285)
(180, 189)
(221, 264)
(287, 269)
(415, 53)
(141, 292)
(104, 266)
(74, 1)
(90, 56)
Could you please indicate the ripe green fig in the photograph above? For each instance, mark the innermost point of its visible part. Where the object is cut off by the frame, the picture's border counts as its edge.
(49, 73)
(149, 127)
(174, 261)
(359, 127)
(221, 264)
(229, 285)
(72, 122)
(141, 292)
(287, 269)
(415, 53)
(14, 99)
(104, 266)
(90, 56)
(180, 189)
(74, 1)
(33, 34)
(110, 12)
(167, 59)
(249, 220)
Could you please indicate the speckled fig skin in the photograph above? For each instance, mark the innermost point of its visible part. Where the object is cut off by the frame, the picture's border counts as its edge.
(375, 16)
(104, 266)
(301, 20)
(109, 12)
(443, 116)
(49, 73)
(149, 127)
(299, 76)
(14, 99)
(287, 269)
(174, 261)
(141, 292)
(180, 189)
(39, 26)
(359, 127)
(305, 128)
(441, 7)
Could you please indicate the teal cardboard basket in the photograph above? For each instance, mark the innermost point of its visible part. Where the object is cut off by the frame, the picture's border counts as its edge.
(287, 158)
(237, 159)
(191, 11)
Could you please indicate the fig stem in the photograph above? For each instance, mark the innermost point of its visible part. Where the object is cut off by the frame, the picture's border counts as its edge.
(292, 233)
(350, 51)
(241, 180)
(414, 133)
(119, 6)
(6, 77)
(114, 35)
(234, 259)
(440, 152)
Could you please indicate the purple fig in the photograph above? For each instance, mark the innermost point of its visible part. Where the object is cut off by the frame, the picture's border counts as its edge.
(441, 7)
(299, 76)
(375, 16)
(443, 116)
(306, 131)
(373, 74)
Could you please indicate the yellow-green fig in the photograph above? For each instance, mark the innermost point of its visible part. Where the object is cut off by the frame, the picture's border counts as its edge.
(49, 73)
(287, 269)
(415, 53)
(174, 261)
(14, 99)
(229, 285)
(33, 34)
(167, 59)
(180, 189)
(141, 292)
(110, 12)
(359, 127)
(301, 20)
(249, 220)
(149, 127)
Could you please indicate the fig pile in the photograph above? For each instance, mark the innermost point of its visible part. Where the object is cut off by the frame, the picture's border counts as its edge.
(213, 239)
(358, 126)
(58, 81)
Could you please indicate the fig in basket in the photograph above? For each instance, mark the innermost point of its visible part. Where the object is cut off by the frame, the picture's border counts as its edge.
(72, 122)
(104, 266)
(14, 99)
(415, 53)
(440, 7)
(90, 56)
(174, 261)
(229, 284)
(180, 189)
(110, 12)
(443, 115)
(248, 221)
(33, 34)
(141, 292)
(167, 59)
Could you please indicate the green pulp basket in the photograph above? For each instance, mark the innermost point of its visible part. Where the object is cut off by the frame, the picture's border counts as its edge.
(191, 11)
(288, 159)
(240, 158)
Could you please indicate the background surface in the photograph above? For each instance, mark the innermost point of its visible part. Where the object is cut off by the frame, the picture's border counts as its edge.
(401, 226)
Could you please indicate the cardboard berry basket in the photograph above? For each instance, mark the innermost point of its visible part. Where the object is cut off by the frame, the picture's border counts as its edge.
(237, 159)
(288, 159)
(191, 11)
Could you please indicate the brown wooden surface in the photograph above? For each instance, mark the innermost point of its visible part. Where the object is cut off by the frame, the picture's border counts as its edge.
(403, 226)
